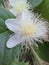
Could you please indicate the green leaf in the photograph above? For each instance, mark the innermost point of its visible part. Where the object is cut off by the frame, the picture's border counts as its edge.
(1, 2)
(6, 55)
(16, 62)
(43, 9)
(2, 25)
(43, 51)
(34, 3)
(5, 14)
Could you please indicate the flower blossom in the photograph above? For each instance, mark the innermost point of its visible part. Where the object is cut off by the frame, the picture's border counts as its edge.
(27, 29)
(18, 6)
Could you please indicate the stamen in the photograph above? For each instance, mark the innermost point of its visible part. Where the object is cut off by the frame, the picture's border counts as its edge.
(29, 29)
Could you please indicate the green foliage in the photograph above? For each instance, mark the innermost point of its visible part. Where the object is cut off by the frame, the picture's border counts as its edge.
(5, 14)
(2, 2)
(43, 9)
(6, 55)
(16, 62)
(43, 51)
(34, 3)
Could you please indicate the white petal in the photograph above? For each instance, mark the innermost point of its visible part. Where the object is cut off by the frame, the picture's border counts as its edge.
(40, 30)
(12, 2)
(13, 11)
(13, 41)
(12, 24)
(26, 15)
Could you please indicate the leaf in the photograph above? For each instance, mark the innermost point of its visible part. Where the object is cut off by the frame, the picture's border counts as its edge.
(6, 55)
(43, 9)
(2, 25)
(16, 62)
(2, 2)
(43, 51)
(34, 3)
(5, 14)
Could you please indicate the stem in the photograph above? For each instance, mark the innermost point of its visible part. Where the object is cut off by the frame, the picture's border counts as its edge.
(35, 55)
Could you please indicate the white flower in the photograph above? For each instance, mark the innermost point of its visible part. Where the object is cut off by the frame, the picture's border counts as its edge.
(18, 6)
(27, 29)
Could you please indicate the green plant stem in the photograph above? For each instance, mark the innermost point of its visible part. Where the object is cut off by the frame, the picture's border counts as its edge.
(35, 55)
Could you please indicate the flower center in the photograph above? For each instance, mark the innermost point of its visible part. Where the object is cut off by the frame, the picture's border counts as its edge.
(29, 29)
(20, 6)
